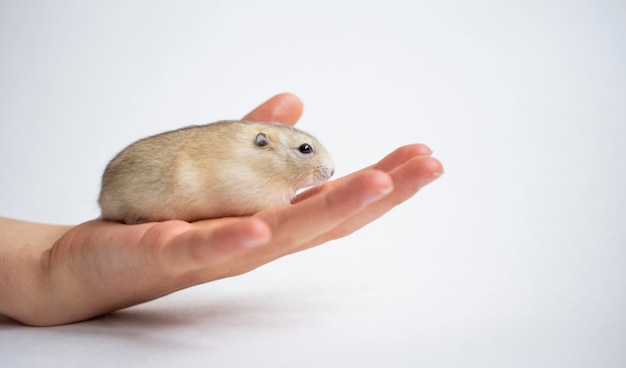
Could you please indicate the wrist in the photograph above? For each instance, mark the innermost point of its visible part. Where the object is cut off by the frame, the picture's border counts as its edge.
(22, 279)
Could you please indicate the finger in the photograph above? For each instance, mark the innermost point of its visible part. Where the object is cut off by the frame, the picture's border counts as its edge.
(213, 247)
(408, 179)
(387, 164)
(402, 155)
(284, 108)
(295, 225)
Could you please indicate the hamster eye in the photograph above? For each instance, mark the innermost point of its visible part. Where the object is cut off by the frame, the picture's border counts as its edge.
(305, 148)
(262, 140)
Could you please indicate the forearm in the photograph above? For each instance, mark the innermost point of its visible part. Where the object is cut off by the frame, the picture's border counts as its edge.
(21, 247)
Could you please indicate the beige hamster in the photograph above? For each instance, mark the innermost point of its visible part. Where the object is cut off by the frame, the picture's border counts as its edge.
(227, 168)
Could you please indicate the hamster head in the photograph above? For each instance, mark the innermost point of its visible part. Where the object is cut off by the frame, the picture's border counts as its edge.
(297, 154)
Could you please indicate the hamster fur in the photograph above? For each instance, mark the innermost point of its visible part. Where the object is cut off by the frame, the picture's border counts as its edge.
(227, 168)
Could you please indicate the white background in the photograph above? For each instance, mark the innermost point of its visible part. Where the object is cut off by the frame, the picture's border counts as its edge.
(515, 258)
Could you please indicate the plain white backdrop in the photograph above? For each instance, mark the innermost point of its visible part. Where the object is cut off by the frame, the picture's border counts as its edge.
(516, 257)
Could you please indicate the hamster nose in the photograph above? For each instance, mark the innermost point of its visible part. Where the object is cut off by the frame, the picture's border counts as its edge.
(328, 172)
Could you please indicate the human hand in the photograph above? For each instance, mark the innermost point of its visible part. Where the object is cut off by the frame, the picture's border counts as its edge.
(101, 266)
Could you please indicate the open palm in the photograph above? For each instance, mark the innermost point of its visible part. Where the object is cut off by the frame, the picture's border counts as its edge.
(102, 266)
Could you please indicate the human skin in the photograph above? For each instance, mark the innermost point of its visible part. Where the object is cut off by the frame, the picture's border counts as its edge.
(52, 274)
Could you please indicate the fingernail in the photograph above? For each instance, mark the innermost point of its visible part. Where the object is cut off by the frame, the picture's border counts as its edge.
(433, 176)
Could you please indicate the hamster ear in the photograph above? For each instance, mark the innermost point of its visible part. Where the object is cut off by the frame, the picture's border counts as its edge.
(262, 140)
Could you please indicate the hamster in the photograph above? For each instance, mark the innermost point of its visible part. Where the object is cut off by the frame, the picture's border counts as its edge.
(226, 168)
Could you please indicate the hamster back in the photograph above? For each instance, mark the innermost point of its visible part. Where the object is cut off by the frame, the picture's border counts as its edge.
(227, 168)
